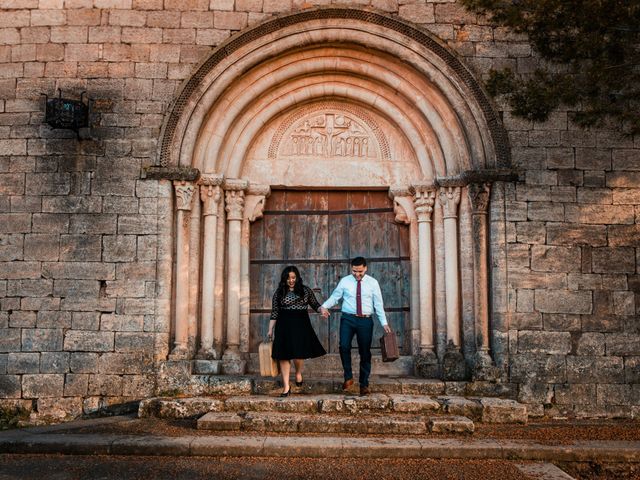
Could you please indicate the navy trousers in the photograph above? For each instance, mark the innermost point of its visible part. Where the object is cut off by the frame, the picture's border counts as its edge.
(362, 328)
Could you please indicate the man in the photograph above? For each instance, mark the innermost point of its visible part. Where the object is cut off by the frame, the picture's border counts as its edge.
(361, 297)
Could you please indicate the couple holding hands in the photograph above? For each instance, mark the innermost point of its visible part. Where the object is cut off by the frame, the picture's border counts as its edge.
(294, 337)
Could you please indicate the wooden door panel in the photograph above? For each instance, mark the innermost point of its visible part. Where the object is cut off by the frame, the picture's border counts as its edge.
(319, 232)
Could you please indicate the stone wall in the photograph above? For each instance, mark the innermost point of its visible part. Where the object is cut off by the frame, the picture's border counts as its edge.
(79, 242)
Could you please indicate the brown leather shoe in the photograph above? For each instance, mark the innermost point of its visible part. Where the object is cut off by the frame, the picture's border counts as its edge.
(364, 391)
(347, 383)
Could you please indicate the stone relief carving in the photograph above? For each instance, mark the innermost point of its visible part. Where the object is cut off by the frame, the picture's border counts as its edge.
(330, 130)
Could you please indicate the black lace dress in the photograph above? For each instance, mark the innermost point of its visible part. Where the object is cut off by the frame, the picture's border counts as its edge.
(294, 336)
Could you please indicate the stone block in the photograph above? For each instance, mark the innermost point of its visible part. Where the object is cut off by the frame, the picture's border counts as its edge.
(593, 159)
(527, 321)
(451, 424)
(78, 340)
(524, 301)
(70, 204)
(134, 342)
(624, 235)
(119, 248)
(59, 409)
(54, 362)
(110, 385)
(461, 406)
(23, 363)
(609, 369)
(624, 303)
(50, 223)
(563, 301)
(11, 247)
(622, 179)
(15, 222)
(632, 369)
(10, 386)
(53, 319)
(555, 259)
(498, 410)
(81, 248)
(41, 247)
(530, 232)
(590, 343)
(93, 224)
(22, 319)
(602, 323)
(576, 394)
(414, 404)
(4, 359)
(137, 224)
(83, 362)
(622, 344)
(220, 421)
(544, 342)
(76, 289)
(418, 13)
(30, 288)
(543, 368)
(541, 177)
(546, 212)
(626, 196)
(613, 394)
(41, 340)
(599, 214)
(78, 270)
(561, 322)
(570, 177)
(614, 260)
(43, 385)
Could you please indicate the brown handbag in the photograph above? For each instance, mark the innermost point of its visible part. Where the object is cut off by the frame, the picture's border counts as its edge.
(389, 346)
(269, 367)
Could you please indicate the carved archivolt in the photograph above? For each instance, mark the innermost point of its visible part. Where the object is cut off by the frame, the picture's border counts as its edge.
(330, 130)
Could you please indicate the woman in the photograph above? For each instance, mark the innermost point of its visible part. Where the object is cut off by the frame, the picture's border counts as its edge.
(294, 336)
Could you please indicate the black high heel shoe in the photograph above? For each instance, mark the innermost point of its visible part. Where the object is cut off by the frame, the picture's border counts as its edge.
(285, 394)
(299, 383)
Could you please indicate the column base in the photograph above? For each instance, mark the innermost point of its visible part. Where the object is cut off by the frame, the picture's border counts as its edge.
(233, 363)
(484, 368)
(454, 366)
(207, 354)
(179, 352)
(426, 364)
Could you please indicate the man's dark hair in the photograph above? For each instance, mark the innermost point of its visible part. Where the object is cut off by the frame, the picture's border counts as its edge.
(359, 262)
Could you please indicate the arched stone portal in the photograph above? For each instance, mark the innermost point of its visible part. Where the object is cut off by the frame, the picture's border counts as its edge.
(333, 99)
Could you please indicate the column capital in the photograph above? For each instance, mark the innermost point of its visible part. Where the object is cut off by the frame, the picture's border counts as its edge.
(235, 184)
(234, 204)
(255, 201)
(449, 199)
(210, 195)
(258, 189)
(424, 199)
(213, 179)
(479, 196)
(400, 191)
(184, 194)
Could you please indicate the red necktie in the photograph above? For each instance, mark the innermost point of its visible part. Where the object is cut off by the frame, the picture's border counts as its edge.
(359, 299)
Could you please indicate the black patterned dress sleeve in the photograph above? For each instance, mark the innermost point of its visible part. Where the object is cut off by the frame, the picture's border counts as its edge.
(275, 306)
(311, 298)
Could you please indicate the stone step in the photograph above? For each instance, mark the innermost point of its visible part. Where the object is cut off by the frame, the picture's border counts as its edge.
(271, 422)
(483, 409)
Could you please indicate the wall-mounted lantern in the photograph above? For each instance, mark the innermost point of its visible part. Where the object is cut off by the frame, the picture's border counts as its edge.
(65, 113)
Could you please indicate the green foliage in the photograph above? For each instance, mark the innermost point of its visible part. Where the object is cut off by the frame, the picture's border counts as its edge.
(592, 54)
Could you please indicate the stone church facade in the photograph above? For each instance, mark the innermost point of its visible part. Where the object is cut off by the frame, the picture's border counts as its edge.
(229, 138)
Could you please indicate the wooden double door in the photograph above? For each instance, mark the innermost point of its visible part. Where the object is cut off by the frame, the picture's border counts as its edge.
(319, 232)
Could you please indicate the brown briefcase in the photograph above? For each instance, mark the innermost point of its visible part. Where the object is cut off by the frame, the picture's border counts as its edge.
(268, 366)
(389, 346)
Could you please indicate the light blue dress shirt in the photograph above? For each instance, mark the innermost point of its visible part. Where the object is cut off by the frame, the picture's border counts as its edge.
(371, 297)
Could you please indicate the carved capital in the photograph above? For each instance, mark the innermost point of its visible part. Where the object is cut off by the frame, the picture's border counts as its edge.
(234, 204)
(257, 189)
(210, 195)
(479, 197)
(184, 194)
(254, 207)
(235, 184)
(424, 199)
(449, 199)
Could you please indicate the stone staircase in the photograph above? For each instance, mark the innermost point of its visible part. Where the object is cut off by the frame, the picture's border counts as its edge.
(396, 406)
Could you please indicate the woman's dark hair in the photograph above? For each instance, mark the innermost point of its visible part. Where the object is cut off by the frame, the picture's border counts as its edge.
(283, 288)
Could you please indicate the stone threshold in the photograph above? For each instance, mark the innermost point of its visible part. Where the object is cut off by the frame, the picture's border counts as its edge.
(483, 409)
(22, 442)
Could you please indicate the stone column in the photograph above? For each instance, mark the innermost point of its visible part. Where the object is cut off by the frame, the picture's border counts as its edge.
(210, 195)
(184, 194)
(253, 209)
(404, 211)
(232, 362)
(424, 199)
(479, 197)
(449, 199)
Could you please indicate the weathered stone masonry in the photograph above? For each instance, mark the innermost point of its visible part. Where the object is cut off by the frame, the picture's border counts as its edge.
(87, 246)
